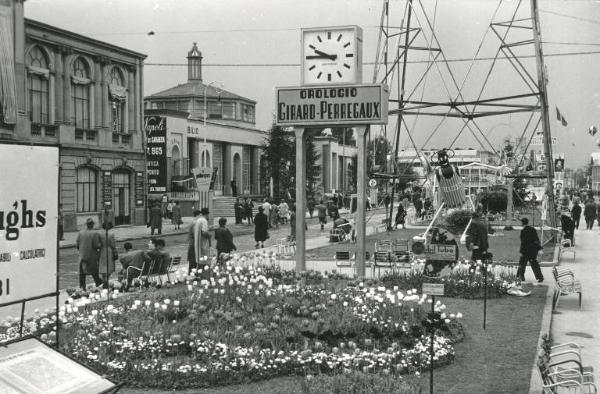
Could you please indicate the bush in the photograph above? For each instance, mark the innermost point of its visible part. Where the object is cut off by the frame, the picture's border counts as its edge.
(360, 383)
(456, 221)
(494, 200)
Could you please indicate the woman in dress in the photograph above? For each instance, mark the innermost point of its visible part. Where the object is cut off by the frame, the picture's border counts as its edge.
(176, 215)
(261, 228)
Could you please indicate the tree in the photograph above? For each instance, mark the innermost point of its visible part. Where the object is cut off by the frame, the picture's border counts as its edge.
(279, 158)
(278, 155)
(378, 150)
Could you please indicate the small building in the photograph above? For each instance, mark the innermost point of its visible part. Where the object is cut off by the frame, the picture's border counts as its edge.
(595, 179)
(337, 157)
(207, 126)
(86, 96)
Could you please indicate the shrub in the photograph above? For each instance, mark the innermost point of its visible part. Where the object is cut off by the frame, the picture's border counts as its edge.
(456, 221)
(494, 200)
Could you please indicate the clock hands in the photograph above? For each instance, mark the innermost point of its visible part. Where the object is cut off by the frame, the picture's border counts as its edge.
(321, 55)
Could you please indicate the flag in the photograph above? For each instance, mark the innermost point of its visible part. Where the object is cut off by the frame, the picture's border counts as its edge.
(560, 117)
(593, 130)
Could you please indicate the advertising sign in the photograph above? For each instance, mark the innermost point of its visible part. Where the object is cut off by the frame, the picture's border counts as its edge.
(156, 153)
(332, 105)
(433, 289)
(203, 176)
(28, 221)
(32, 367)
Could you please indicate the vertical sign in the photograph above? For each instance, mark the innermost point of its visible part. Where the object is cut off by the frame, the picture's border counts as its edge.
(139, 189)
(203, 176)
(107, 188)
(156, 153)
(28, 221)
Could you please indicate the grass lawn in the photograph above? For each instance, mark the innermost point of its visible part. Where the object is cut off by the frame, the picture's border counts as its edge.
(495, 360)
(504, 248)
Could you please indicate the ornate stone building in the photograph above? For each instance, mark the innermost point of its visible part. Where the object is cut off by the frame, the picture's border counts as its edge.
(85, 96)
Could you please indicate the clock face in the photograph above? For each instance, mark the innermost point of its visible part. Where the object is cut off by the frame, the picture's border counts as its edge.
(330, 56)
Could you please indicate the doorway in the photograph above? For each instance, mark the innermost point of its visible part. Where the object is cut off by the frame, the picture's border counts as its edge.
(121, 192)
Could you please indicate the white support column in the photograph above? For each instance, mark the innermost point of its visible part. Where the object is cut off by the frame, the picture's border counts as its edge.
(51, 100)
(300, 199)
(361, 190)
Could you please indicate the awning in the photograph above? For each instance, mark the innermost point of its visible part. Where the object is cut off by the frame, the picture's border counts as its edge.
(8, 90)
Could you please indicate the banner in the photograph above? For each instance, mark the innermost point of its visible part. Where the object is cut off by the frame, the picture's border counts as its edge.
(203, 176)
(156, 153)
(28, 221)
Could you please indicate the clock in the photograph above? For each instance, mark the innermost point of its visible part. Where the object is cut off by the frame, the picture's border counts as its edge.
(332, 55)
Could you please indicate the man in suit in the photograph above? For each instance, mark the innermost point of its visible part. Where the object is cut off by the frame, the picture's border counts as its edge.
(155, 219)
(589, 212)
(576, 213)
(530, 246)
(89, 244)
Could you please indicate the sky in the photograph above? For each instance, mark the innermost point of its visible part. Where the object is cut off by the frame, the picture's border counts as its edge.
(253, 46)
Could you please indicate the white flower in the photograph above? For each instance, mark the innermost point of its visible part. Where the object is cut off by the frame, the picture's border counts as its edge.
(176, 302)
(333, 296)
(167, 301)
(459, 315)
(147, 302)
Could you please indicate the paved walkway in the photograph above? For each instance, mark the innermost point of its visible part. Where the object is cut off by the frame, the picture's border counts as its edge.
(582, 326)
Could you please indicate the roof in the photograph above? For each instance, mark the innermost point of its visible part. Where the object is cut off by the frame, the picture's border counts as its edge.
(196, 89)
(40, 25)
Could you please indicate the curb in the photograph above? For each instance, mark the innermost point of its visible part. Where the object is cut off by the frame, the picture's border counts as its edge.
(535, 383)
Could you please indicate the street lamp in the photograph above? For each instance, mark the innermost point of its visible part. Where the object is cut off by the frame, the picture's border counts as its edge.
(205, 107)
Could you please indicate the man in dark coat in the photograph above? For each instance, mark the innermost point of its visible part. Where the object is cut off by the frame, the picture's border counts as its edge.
(261, 227)
(224, 239)
(155, 222)
(589, 213)
(567, 226)
(89, 245)
(530, 246)
(576, 213)
(477, 238)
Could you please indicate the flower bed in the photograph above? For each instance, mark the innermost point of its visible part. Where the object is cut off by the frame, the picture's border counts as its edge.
(466, 280)
(233, 325)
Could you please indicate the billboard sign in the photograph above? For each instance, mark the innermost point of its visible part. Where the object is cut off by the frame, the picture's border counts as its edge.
(156, 153)
(203, 176)
(332, 105)
(28, 221)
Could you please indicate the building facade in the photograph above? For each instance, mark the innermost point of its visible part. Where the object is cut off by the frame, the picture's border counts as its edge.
(335, 162)
(208, 126)
(85, 96)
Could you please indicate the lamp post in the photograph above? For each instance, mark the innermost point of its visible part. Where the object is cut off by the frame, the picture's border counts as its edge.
(205, 104)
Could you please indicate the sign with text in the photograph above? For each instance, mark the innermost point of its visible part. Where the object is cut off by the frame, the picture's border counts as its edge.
(203, 176)
(156, 153)
(32, 367)
(439, 259)
(139, 189)
(332, 105)
(28, 221)
(107, 188)
(433, 289)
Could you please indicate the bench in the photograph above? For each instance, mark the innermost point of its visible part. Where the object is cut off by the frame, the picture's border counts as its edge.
(566, 246)
(286, 247)
(566, 283)
(561, 367)
(342, 259)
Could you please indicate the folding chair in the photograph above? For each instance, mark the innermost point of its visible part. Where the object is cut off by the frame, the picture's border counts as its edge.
(566, 246)
(382, 256)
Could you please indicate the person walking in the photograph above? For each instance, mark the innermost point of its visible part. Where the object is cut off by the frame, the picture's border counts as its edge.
(238, 209)
(589, 213)
(224, 240)
(283, 212)
(202, 239)
(88, 244)
(170, 205)
(311, 207)
(176, 215)
(267, 211)
(386, 201)
(155, 222)
(576, 213)
(108, 253)
(477, 238)
(419, 207)
(530, 246)
(322, 214)
(261, 227)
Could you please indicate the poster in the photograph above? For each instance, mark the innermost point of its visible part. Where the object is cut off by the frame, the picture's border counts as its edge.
(31, 367)
(156, 153)
(28, 221)
(203, 176)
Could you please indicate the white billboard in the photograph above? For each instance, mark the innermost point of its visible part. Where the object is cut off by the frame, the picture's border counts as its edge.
(28, 221)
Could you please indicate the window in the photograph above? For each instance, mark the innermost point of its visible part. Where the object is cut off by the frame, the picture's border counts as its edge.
(81, 94)
(79, 134)
(246, 166)
(86, 189)
(215, 110)
(38, 86)
(248, 113)
(117, 100)
(125, 138)
(228, 110)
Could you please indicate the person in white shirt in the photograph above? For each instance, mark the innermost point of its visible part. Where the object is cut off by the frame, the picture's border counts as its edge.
(202, 239)
(267, 210)
(283, 212)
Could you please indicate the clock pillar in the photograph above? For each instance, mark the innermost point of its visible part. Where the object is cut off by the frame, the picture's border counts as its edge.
(300, 198)
(361, 190)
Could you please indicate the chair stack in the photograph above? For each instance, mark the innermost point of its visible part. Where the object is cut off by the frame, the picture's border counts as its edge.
(562, 369)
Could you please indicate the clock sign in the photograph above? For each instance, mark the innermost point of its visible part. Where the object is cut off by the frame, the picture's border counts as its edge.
(332, 55)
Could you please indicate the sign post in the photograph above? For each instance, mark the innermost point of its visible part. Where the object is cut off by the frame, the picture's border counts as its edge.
(29, 225)
(432, 289)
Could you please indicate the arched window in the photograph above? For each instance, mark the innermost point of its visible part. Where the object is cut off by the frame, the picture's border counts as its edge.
(117, 94)
(80, 93)
(38, 86)
(86, 189)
